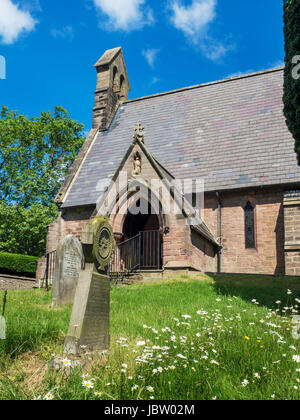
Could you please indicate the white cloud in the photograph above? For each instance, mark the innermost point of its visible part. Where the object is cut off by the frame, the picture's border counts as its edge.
(214, 50)
(272, 65)
(194, 21)
(65, 32)
(240, 73)
(125, 15)
(14, 21)
(150, 55)
(154, 81)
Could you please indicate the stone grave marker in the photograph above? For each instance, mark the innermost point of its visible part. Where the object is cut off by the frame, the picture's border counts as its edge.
(89, 325)
(69, 261)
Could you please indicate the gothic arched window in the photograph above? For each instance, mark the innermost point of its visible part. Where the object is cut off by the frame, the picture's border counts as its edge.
(122, 88)
(249, 226)
(116, 86)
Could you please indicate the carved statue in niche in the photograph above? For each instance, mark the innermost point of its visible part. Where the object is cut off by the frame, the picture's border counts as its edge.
(137, 165)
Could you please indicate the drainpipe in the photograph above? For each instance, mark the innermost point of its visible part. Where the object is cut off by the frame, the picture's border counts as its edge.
(220, 247)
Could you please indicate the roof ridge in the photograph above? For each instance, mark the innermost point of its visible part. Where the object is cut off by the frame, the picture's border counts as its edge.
(226, 80)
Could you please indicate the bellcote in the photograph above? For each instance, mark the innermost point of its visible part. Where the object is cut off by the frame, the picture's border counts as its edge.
(112, 87)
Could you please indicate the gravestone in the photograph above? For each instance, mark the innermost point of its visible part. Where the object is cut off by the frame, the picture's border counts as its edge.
(69, 260)
(89, 325)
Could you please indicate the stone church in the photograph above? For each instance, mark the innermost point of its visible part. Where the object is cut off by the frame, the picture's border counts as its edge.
(231, 134)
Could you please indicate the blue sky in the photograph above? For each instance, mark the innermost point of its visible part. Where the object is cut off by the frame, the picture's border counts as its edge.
(50, 46)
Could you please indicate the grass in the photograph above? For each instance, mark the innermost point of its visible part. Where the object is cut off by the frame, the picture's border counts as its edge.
(186, 339)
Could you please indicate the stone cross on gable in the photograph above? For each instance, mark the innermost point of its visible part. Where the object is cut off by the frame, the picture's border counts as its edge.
(139, 135)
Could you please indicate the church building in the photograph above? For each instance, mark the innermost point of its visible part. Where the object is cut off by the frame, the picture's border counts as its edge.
(200, 179)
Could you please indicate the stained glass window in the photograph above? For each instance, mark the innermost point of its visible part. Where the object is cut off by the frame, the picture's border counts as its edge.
(249, 226)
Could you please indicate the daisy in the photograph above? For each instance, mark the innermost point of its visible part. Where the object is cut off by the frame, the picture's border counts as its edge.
(88, 384)
(181, 356)
(296, 358)
(98, 394)
(150, 388)
(67, 362)
(49, 397)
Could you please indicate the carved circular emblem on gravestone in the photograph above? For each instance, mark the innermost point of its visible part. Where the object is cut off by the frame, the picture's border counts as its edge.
(104, 245)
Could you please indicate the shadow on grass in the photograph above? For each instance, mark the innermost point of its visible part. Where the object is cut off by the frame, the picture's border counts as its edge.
(267, 290)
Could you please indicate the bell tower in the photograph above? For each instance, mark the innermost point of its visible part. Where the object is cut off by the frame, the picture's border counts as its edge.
(112, 87)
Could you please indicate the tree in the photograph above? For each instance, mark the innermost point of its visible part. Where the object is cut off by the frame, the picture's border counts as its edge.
(35, 155)
(291, 96)
(23, 231)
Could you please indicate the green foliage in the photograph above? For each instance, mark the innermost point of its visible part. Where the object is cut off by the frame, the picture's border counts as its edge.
(23, 231)
(35, 155)
(291, 85)
(21, 264)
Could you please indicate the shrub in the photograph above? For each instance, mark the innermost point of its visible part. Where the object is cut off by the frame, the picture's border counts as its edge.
(20, 264)
(23, 231)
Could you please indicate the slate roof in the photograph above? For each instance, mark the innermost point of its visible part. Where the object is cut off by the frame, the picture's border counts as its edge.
(232, 133)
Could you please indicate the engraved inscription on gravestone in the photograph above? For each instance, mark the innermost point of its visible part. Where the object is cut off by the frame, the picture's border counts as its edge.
(89, 324)
(69, 261)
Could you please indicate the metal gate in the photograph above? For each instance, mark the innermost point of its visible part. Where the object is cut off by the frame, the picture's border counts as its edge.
(141, 252)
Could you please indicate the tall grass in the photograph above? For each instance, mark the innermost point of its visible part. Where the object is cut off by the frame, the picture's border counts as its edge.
(31, 323)
(184, 340)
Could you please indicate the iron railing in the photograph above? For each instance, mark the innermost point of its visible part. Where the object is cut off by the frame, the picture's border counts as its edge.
(49, 270)
(141, 252)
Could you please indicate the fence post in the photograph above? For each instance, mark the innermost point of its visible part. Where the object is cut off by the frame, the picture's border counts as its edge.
(47, 273)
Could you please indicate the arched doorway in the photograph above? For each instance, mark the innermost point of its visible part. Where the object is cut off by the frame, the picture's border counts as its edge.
(141, 247)
(134, 224)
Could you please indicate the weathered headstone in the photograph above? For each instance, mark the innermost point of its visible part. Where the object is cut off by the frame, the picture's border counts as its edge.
(69, 261)
(89, 325)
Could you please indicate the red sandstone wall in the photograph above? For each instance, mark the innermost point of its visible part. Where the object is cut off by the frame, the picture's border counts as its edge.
(268, 256)
(69, 222)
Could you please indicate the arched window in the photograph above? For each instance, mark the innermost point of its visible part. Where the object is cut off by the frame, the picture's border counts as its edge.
(249, 226)
(116, 86)
(122, 88)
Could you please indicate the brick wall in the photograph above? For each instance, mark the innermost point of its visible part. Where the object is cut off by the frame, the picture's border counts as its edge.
(268, 255)
(69, 222)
